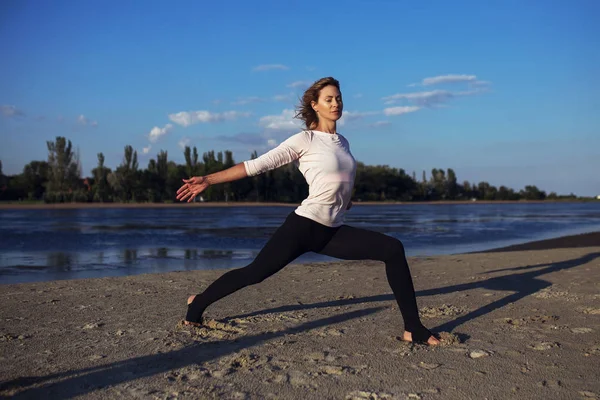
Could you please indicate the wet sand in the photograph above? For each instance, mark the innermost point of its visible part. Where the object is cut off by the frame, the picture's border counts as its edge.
(520, 324)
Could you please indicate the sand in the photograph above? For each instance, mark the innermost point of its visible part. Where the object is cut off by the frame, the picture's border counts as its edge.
(519, 324)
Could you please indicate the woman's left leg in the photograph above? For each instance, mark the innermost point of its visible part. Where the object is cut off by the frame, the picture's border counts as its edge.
(351, 243)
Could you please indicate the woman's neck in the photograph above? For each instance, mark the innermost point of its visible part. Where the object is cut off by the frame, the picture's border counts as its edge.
(326, 126)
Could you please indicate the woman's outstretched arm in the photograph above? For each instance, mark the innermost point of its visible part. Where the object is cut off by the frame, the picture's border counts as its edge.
(234, 173)
(195, 185)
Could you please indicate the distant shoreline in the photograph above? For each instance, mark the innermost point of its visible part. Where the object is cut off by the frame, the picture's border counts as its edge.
(67, 206)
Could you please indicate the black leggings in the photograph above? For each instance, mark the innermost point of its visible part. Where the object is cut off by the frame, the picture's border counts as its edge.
(299, 235)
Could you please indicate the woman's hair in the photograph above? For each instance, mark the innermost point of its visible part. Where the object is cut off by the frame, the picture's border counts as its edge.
(304, 111)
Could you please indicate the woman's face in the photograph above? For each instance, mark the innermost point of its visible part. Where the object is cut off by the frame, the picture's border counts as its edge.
(330, 103)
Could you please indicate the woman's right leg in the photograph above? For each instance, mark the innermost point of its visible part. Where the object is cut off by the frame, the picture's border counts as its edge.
(288, 242)
(350, 243)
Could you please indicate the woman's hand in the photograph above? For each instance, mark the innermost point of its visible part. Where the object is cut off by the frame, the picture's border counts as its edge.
(191, 188)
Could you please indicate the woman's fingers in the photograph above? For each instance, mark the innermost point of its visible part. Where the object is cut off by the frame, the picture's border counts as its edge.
(189, 191)
(183, 189)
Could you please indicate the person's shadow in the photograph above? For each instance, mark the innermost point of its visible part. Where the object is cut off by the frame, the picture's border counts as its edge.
(78, 382)
(82, 381)
(522, 284)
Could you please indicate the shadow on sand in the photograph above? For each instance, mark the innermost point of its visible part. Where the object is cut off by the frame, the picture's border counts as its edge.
(522, 284)
(79, 382)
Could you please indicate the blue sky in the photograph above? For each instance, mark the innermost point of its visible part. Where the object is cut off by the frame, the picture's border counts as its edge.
(500, 91)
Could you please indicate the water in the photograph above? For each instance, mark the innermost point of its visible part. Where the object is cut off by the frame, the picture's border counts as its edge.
(43, 245)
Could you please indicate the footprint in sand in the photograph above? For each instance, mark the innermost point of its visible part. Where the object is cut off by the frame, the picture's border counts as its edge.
(233, 364)
(535, 319)
(593, 351)
(589, 310)
(320, 356)
(292, 316)
(212, 329)
(550, 293)
(581, 330)
(364, 395)
(332, 370)
(543, 345)
(445, 310)
(328, 332)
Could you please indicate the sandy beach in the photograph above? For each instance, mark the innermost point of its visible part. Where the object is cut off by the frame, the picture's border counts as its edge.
(518, 323)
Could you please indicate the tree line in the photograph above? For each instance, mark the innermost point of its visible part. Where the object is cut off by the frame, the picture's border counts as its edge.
(59, 179)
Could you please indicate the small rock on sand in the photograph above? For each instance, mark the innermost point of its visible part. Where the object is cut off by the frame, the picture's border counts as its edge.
(92, 325)
(428, 366)
(478, 354)
(588, 394)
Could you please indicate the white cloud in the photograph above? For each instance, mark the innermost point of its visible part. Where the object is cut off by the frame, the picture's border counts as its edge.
(247, 100)
(284, 121)
(358, 95)
(187, 118)
(400, 110)
(299, 84)
(184, 142)
(10, 111)
(438, 97)
(157, 132)
(146, 149)
(270, 67)
(272, 142)
(421, 98)
(451, 78)
(83, 120)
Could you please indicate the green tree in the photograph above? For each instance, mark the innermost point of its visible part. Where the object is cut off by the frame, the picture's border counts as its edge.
(3, 182)
(531, 192)
(101, 187)
(64, 172)
(191, 161)
(452, 188)
(35, 179)
(123, 181)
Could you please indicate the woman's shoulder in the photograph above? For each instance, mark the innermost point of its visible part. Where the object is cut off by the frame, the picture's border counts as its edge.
(304, 135)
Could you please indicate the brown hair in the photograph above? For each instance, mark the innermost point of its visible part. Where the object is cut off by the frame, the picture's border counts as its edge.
(304, 110)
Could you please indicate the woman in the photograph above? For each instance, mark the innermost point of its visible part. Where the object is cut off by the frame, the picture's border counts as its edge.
(317, 225)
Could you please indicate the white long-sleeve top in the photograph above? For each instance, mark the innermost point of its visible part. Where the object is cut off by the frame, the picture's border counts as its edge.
(328, 166)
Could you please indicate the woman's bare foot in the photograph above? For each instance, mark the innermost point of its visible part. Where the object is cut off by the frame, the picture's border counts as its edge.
(189, 301)
(432, 341)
